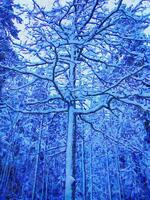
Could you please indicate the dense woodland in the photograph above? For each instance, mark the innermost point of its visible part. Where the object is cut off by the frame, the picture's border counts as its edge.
(74, 100)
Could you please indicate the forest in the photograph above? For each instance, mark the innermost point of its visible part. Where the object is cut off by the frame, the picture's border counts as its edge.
(75, 100)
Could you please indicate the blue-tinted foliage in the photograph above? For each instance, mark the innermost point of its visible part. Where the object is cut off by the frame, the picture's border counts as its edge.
(84, 66)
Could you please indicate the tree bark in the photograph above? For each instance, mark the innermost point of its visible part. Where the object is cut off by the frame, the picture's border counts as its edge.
(83, 167)
(69, 155)
(91, 169)
(37, 160)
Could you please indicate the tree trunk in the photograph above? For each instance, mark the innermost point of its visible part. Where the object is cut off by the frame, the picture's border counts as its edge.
(37, 161)
(70, 152)
(91, 169)
(108, 171)
(69, 155)
(83, 167)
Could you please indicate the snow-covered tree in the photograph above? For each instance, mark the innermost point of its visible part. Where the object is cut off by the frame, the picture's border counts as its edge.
(83, 60)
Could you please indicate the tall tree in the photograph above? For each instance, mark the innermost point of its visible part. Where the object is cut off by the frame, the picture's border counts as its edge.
(71, 45)
(7, 31)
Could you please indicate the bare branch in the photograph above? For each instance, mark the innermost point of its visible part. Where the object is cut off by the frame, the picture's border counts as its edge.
(59, 110)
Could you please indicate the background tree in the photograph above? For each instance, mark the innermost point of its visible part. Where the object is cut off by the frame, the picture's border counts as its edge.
(7, 57)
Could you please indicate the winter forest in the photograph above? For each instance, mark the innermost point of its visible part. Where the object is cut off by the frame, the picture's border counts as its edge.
(74, 100)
